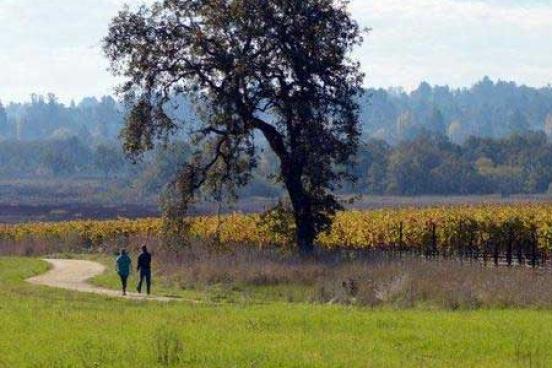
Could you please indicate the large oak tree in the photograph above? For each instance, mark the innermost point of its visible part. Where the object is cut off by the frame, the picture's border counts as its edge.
(280, 69)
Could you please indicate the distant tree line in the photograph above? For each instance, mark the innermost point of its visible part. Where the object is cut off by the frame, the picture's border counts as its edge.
(491, 138)
(432, 164)
(427, 165)
(488, 109)
(72, 158)
(44, 117)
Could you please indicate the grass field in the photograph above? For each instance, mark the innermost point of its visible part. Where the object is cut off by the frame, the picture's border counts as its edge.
(42, 327)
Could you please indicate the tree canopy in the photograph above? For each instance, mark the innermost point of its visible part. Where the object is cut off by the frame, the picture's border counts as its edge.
(277, 67)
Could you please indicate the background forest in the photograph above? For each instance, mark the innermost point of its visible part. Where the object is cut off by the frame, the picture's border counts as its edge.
(493, 138)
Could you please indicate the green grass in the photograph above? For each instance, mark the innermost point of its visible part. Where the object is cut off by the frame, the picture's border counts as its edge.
(42, 327)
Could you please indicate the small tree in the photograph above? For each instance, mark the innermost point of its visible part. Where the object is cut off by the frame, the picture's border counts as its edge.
(277, 67)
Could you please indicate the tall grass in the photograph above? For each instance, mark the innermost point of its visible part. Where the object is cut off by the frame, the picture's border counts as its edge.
(367, 281)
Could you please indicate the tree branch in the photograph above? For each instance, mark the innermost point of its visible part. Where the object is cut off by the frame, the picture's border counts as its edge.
(274, 138)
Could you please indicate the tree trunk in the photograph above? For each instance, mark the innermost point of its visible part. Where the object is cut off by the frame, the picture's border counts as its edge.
(305, 234)
(304, 219)
(291, 172)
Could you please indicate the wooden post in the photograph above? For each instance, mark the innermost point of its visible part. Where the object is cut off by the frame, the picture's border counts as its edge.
(495, 253)
(534, 245)
(510, 249)
(519, 252)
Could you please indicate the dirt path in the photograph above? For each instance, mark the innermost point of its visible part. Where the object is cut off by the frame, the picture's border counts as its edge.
(75, 274)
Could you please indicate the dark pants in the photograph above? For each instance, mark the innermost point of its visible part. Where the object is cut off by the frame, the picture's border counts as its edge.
(124, 281)
(144, 274)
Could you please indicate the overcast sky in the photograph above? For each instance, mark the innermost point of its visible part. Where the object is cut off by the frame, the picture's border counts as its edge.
(54, 45)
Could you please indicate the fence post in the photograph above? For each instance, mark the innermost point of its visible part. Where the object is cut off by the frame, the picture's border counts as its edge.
(510, 250)
(519, 252)
(534, 244)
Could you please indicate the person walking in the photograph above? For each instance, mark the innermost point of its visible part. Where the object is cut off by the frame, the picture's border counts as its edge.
(144, 267)
(123, 265)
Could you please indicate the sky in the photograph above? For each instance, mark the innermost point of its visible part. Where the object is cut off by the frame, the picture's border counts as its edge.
(55, 45)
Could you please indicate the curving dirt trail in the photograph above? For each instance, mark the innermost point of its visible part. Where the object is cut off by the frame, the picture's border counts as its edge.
(74, 275)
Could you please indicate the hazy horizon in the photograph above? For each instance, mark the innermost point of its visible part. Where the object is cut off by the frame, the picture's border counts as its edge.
(390, 89)
(56, 46)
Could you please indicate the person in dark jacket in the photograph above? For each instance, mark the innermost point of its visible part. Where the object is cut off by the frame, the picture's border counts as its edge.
(123, 265)
(144, 268)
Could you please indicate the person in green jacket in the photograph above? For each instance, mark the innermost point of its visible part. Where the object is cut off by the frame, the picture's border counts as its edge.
(123, 266)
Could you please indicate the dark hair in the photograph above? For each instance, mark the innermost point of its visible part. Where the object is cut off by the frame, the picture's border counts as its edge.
(123, 252)
(144, 248)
